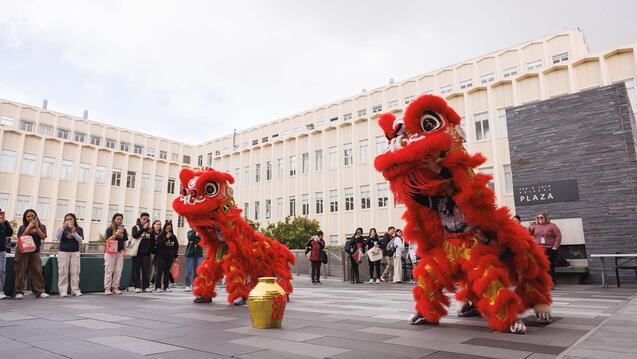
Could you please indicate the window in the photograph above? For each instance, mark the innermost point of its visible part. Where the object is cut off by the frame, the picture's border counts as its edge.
(186, 159)
(333, 239)
(268, 209)
(365, 197)
(112, 209)
(256, 210)
(482, 126)
(6, 121)
(200, 160)
(486, 78)
(246, 210)
(502, 122)
(488, 171)
(446, 89)
(237, 171)
(563, 57)
(382, 194)
(318, 160)
(96, 214)
(150, 152)
(80, 210)
(246, 174)
(362, 112)
(279, 167)
(363, 150)
(332, 157)
(463, 127)
(110, 143)
(292, 206)
(138, 149)
(62, 208)
(264, 140)
(534, 65)
(346, 117)
(256, 142)
(509, 72)
(381, 144)
(466, 84)
(164, 155)
(143, 210)
(7, 161)
(319, 202)
(45, 130)
(48, 165)
(128, 215)
(23, 202)
(377, 109)
(348, 156)
(79, 137)
(156, 213)
(305, 204)
(392, 104)
(159, 181)
(100, 175)
(169, 215)
(42, 207)
(632, 95)
(349, 199)
(116, 177)
(180, 222)
(63, 134)
(4, 200)
(333, 201)
(209, 159)
(268, 170)
(130, 179)
(174, 157)
(26, 126)
(28, 164)
(279, 207)
(124, 146)
(257, 172)
(171, 186)
(66, 170)
(292, 165)
(96, 140)
(508, 179)
(305, 162)
(145, 185)
(408, 99)
(83, 174)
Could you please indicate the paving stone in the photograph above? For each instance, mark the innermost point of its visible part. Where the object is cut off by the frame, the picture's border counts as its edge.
(105, 317)
(276, 333)
(134, 345)
(206, 317)
(94, 324)
(533, 348)
(82, 306)
(441, 345)
(316, 351)
(11, 316)
(29, 353)
(269, 354)
(377, 347)
(451, 355)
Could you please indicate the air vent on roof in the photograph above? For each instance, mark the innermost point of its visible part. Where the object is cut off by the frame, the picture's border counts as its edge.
(44, 104)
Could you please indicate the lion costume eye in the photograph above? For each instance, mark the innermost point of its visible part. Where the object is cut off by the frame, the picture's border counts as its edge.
(431, 121)
(211, 188)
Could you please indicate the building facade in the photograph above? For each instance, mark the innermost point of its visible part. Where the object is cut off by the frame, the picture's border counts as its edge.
(318, 163)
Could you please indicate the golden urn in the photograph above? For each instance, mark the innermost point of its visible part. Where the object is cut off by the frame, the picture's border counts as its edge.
(266, 303)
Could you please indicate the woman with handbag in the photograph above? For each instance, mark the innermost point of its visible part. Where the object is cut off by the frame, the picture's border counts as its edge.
(355, 249)
(30, 236)
(373, 250)
(167, 250)
(70, 236)
(315, 245)
(116, 237)
(155, 231)
(141, 259)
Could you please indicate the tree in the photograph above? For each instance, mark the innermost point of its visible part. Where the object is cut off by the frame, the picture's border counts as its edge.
(293, 232)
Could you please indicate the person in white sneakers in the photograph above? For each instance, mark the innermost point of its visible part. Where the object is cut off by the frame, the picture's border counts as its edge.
(114, 262)
(6, 231)
(399, 246)
(30, 232)
(70, 236)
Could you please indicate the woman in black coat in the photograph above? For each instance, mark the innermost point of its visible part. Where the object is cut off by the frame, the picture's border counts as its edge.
(355, 248)
(371, 242)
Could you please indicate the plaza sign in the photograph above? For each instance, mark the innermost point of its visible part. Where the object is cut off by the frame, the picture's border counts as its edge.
(548, 192)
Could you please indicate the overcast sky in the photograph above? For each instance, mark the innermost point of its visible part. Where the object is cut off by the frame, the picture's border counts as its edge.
(194, 70)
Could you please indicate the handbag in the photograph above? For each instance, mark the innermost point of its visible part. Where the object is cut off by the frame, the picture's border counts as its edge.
(133, 246)
(375, 254)
(174, 270)
(111, 246)
(26, 244)
(323, 257)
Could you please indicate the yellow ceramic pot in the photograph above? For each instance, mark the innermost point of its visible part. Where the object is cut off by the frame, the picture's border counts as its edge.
(266, 303)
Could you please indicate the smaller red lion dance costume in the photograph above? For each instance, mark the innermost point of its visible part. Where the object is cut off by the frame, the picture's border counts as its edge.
(234, 248)
(465, 242)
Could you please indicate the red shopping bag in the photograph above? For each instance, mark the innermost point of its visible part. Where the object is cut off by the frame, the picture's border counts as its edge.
(26, 244)
(111, 246)
(174, 270)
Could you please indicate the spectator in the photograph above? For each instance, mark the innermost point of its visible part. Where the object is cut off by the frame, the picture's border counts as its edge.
(155, 231)
(355, 249)
(388, 273)
(314, 247)
(398, 245)
(373, 243)
(167, 249)
(194, 254)
(70, 236)
(549, 237)
(6, 231)
(141, 262)
(30, 262)
(114, 263)
(413, 258)
(518, 219)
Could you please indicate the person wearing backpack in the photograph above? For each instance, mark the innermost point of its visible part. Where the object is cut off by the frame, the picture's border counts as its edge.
(388, 253)
(194, 255)
(314, 247)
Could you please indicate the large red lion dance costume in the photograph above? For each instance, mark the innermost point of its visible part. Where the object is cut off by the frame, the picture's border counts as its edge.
(234, 248)
(465, 242)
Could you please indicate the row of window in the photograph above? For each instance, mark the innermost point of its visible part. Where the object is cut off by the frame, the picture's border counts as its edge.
(8, 161)
(44, 207)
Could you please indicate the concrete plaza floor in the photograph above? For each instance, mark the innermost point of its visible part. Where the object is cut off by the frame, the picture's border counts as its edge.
(335, 320)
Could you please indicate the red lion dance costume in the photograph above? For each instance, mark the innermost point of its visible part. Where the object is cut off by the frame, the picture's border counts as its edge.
(234, 248)
(465, 242)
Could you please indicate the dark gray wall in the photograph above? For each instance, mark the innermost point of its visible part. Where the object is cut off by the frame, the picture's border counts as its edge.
(588, 137)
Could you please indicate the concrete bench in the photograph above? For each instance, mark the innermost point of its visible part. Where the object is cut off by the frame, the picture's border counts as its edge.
(575, 273)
